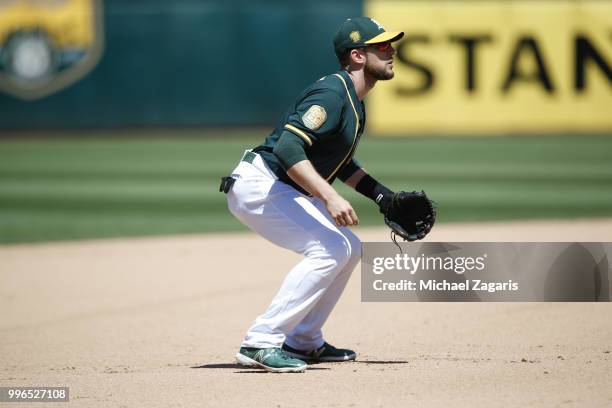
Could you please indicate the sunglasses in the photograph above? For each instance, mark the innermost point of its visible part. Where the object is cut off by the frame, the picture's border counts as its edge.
(382, 46)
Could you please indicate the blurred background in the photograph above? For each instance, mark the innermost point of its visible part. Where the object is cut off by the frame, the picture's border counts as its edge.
(118, 118)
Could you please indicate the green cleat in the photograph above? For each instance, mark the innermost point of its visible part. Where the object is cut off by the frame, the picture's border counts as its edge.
(325, 353)
(270, 359)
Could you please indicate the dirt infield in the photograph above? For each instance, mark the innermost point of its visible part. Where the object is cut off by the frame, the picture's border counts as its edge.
(155, 322)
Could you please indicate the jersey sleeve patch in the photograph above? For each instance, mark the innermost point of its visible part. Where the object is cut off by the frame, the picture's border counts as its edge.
(314, 117)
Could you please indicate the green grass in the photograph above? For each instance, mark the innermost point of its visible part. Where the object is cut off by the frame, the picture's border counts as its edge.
(57, 189)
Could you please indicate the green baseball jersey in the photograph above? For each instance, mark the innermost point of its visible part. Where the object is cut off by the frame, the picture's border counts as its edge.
(327, 120)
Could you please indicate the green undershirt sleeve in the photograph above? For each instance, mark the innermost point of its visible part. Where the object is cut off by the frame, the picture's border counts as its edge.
(290, 149)
(348, 170)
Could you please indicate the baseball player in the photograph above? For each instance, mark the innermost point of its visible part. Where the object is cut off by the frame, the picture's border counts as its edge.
(282, 189)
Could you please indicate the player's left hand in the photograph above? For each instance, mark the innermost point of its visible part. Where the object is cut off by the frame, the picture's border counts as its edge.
(410, 215)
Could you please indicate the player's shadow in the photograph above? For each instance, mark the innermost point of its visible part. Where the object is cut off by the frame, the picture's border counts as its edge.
(222, 365)
(245, 369)
(235, 366)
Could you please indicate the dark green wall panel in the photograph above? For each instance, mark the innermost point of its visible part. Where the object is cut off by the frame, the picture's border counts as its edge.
(193, 63)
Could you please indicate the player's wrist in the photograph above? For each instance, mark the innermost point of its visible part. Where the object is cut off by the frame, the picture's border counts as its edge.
(384, 201)
(375, 191)
(328, 195)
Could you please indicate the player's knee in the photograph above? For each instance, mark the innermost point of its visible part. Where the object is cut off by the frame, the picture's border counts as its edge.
(337, 252)
(354, 253)
(355, 244)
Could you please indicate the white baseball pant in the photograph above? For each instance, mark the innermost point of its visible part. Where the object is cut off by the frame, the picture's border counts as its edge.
(289, 219)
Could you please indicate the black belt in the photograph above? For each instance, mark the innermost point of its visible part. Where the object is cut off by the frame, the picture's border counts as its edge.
(249, 157)
(228, 181)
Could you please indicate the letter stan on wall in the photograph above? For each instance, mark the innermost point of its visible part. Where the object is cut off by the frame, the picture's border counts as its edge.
(496, 66)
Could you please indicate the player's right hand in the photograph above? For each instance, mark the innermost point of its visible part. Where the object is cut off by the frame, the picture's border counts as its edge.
(341, 211)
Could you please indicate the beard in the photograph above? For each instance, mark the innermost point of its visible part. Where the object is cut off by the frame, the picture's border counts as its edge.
(380, 73)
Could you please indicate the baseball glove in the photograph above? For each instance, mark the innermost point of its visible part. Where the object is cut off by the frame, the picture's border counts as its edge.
(411, 215)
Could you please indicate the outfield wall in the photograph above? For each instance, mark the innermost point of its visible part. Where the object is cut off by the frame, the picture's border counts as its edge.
(483, 67)
(463, 67)
(188, 63)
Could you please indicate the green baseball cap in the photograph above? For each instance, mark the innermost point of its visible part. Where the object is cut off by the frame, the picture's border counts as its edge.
(359, 32)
